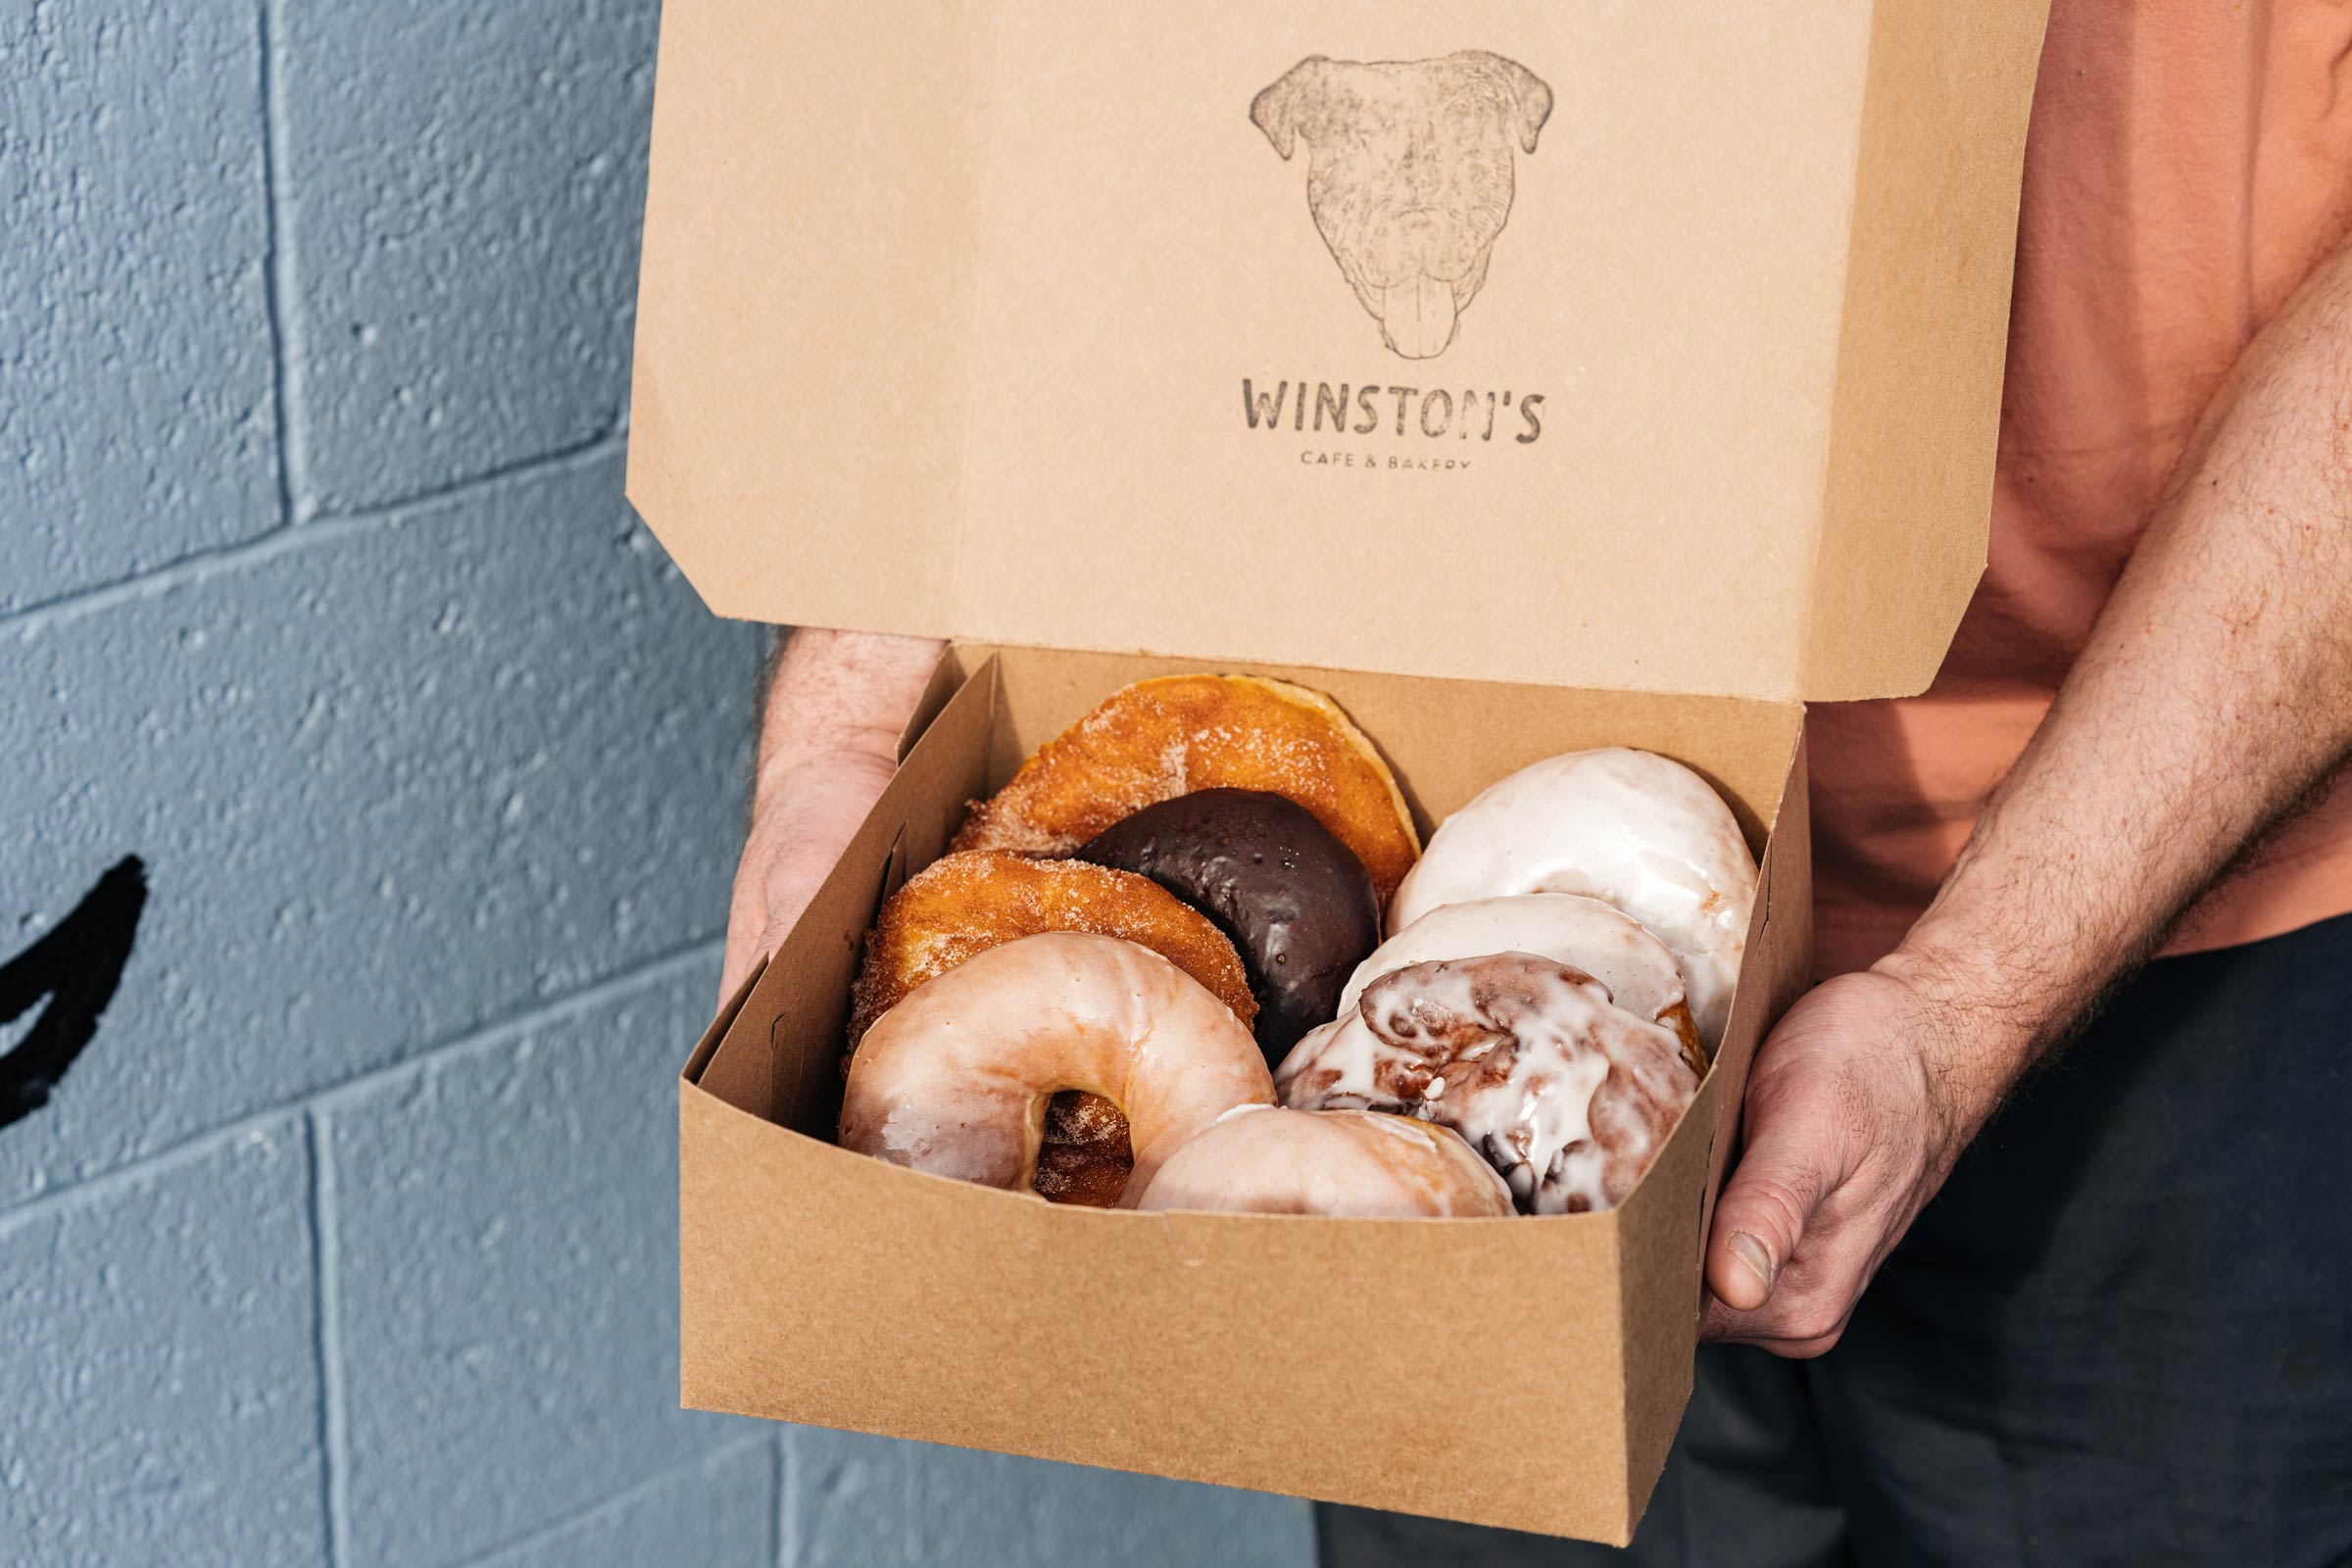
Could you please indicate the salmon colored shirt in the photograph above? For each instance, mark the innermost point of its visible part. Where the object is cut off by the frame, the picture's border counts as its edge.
(2189, 162)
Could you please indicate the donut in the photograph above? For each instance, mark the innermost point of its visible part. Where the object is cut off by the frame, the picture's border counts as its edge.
(1566, 1095)
(1296, 901)
(1162, 738)
(1354, 1163)
(955, 1079)
(1612, 947)
(1629, 828)
(961, 904)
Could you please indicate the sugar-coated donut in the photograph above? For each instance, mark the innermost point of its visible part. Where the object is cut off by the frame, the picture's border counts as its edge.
(961, 905)
(1162, 738)
(1356, 1164)
(955, 1079)
(1630, 828)
(1296, 901)
(1568, 1095)
(1605, 943)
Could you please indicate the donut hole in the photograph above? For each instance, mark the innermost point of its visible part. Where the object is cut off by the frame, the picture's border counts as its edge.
(1087, 1155)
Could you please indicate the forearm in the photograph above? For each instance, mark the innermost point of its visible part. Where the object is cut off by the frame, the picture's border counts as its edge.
(834, 694)
(2215, 691)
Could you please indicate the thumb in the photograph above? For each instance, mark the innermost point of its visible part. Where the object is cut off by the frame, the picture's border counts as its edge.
(741, 953)
(1762, 1214)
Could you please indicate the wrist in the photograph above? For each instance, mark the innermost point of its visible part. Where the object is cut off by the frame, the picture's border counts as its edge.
(1975, 1033)
(788, 759)
(838, 700)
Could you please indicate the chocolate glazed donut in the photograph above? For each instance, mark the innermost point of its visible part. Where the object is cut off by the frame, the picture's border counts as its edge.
(1295, 901)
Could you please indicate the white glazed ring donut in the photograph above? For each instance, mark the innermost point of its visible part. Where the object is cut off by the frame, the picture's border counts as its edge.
(1630, 828)
(1604, 941)
(1568, 1095)
(1354, 1163)
(955, 1080)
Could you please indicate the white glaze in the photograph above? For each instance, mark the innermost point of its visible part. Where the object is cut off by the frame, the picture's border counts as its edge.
(1510, 1050)
(1607, 944)
(1630, 828)
(956, 1078)
(1354, 1163)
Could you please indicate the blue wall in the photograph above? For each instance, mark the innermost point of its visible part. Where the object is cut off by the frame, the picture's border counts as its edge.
(349, 1235)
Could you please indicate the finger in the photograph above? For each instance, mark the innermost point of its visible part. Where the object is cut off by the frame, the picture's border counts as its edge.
(1722, 1323)
(747, 928)
(1812, 1299)
(1762, 1214)
(741, 953)
(791, 887)
(1764, 1330)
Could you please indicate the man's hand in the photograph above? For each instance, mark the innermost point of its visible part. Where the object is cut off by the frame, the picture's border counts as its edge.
(799, 829)
(1854, 1115)
(835, 706)
(2215, 692)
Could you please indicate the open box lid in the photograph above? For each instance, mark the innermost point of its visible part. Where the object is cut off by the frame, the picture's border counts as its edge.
(1654, 347)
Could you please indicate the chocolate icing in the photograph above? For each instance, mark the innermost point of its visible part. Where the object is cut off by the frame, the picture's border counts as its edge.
(1295, 901)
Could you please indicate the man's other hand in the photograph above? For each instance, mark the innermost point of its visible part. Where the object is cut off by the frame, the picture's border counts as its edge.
(1857, 1106)
(797, 832)
(836, 703)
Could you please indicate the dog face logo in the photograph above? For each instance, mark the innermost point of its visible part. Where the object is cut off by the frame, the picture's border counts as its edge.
(1409, 175)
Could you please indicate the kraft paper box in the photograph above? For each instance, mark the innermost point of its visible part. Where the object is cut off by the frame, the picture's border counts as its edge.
(1526, 1372)
(1528, 376)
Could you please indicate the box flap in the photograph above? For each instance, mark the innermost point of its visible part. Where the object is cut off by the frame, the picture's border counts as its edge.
(1650, 347)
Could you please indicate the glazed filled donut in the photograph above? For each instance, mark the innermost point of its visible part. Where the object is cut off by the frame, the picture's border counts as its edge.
(1296, 901)
(962, 905)
(1354, 1163)
(1629, 828)
(1158, 739)
(1569, 1096)
(1612, 947)
(955, 1079)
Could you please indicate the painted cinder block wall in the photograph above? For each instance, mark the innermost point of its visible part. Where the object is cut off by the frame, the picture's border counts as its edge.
(347, 1236)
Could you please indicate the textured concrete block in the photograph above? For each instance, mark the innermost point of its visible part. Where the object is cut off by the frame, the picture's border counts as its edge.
(867, 1502)
(389, 781)
(721, 1514)
(467, 181)
(159, 1397)
(852, 1501)
(506, 1261)
(137, 409)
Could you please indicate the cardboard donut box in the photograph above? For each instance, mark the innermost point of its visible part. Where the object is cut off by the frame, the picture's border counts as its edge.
(1529, 376)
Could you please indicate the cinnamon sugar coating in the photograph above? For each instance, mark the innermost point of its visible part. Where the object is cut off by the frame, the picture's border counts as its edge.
(961, 904)
(1171, 736)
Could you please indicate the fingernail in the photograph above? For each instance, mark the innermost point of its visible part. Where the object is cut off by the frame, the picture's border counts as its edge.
(1750, 1251)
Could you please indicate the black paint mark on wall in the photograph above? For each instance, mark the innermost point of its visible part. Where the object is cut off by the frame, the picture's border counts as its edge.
(77, 965)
